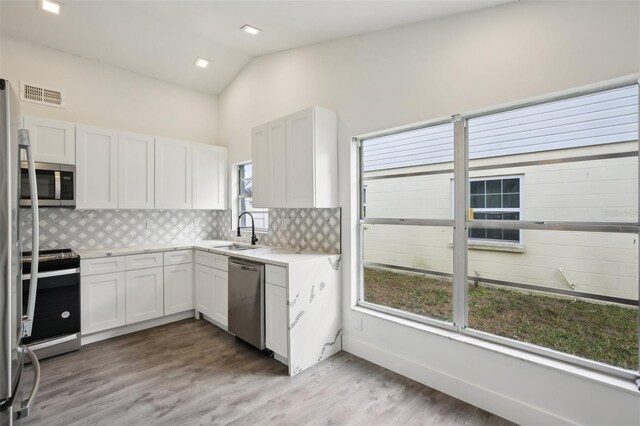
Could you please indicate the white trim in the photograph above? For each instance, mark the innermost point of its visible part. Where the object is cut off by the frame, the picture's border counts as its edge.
(234, 198)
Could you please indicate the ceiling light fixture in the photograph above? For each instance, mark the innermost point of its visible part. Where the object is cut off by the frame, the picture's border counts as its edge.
(202, 62)
(50, 6)
(251, 30)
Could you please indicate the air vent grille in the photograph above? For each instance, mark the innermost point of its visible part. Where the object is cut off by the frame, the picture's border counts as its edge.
(41, 95)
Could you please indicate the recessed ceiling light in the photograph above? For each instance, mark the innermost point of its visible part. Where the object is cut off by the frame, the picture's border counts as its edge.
(251, 30)
(202, 62)
(50, 6)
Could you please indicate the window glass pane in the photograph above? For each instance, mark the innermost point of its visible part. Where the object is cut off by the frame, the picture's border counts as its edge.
(494, 201)
(477, 202)
(419, 197)
(410, 174)
(427, 250)
(511, 186)
(477, 187)
(245, 203)
(579, 156)
(593, 264)
(494, 186)
(511, 200)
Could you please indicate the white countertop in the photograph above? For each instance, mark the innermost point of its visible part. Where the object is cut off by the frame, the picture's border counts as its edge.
(272, 255)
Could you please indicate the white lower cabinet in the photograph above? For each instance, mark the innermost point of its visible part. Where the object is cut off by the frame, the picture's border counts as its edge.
(145, 294)
(220, 297)
(204, 289)
(178, 288)
(212, 286)
(103, 302)
(276, 319)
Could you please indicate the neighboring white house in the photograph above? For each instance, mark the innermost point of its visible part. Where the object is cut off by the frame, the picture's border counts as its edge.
(570, 160)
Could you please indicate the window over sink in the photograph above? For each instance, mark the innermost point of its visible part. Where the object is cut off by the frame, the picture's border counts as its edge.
(244, 201)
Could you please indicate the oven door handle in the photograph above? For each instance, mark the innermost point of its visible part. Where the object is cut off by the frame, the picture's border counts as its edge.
(53, 273)
(25, 143)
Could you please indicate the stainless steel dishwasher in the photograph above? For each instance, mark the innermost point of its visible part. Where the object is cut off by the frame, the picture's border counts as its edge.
(246, 301)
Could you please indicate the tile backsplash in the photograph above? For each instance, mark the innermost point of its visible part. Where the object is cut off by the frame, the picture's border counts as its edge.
(307, 229)
(310, 229)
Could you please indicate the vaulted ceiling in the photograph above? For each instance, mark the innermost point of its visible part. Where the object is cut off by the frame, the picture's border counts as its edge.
(162, 39)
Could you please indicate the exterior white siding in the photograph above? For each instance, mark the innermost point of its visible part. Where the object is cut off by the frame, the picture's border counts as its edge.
(604, 190)
(596, 119)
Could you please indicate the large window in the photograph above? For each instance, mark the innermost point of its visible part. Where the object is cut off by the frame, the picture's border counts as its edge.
(245, 201)
(571, 292)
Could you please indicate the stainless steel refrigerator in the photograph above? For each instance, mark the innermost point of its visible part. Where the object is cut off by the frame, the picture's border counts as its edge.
(15, 322)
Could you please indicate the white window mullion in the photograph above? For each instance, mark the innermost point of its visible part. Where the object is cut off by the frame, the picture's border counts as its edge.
(460, 213)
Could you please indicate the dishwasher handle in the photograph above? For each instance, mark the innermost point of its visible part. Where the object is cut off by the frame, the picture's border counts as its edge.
(244, 265)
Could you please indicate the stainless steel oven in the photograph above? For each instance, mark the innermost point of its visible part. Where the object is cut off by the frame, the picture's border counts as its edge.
(56, 185)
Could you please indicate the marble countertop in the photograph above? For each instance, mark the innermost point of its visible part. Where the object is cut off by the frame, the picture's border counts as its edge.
(280, 256)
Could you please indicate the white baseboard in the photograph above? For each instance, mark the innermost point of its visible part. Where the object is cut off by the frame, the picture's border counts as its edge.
(126, 329)
(501, 405)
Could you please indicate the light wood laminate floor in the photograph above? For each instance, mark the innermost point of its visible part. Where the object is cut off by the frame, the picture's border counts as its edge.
(191, 372)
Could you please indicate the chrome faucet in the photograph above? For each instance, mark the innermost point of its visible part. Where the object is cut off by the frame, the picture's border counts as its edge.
(254, 239)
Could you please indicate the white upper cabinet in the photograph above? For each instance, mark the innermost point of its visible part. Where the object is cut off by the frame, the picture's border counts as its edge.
(209, 177)
(136, 171)
(261, 181)
(277, 136)
(296, 162)
(53, 141)
(96, 168)
(173, 174)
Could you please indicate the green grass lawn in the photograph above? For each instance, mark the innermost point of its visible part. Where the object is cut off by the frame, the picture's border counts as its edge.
(607, 333)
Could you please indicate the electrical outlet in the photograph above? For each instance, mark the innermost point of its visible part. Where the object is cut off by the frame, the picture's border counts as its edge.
(359, 324)
(149, 223)
(196, 222)
(284, 222)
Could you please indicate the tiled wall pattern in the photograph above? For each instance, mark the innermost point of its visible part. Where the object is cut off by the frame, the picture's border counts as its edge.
(307, 229)
(90, 229)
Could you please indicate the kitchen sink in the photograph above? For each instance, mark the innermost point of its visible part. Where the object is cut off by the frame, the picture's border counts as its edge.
(237, 247)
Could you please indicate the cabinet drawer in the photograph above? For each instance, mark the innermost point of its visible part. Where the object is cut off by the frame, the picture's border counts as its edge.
(177, 257)
(103, 265)
(276, 275)
(140, 261)
(212, 260)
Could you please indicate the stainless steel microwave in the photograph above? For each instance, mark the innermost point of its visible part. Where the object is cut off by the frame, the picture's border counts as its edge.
(56, 185)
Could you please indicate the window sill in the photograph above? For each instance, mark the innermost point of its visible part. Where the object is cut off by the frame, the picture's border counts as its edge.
(620, 383)
(503, 247)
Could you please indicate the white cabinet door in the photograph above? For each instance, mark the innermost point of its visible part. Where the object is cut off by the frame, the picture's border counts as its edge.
(103, 302)
(178, 288)
(220, 297)
(277, 165)
(173, 174)
(261, 185)
(300, 160)
(136, 171)
(209, 177)
(204, 289)
(276, 319)
(96, 168)
(145, 294)
(52, 141)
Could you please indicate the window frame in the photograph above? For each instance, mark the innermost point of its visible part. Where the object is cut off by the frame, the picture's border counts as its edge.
(237, 197)
(461, 222)
(480, 242)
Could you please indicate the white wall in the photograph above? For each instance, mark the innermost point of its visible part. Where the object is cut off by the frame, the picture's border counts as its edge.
(106, 96)
(434, 69)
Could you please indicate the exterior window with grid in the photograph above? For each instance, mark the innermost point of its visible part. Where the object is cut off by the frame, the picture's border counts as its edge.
(495, 199)
(245, 204)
